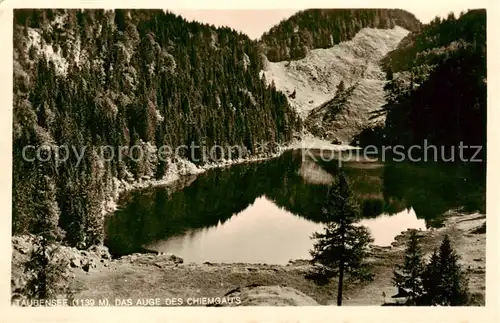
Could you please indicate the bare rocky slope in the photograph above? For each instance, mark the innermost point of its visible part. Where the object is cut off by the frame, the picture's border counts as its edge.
(311, 83)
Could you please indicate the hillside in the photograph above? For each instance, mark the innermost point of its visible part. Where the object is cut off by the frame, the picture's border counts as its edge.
(126, 78)
(437, 85)
(311, 29)
(314, 80)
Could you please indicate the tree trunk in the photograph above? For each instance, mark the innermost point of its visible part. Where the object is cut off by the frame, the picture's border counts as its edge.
(341, 264)
(341, 282)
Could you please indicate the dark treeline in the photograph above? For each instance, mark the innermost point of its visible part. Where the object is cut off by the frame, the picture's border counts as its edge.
(436, 88)
(88, 78)
(323, 28)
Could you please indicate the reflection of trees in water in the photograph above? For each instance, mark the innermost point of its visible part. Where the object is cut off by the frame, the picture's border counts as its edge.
(213, 197)
(433, 189)
(157, 213)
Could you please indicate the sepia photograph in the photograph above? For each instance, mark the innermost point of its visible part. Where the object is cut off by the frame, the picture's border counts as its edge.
(248, 157)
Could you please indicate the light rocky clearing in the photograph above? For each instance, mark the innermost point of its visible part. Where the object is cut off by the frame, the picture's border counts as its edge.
(308, 141)
(356, 62)
(312, 173)
(315, 77)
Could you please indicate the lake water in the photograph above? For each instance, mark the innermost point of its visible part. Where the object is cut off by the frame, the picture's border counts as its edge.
(265, 212)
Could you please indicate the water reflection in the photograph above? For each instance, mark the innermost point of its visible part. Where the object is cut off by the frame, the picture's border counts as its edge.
(386, 227)
(266, 211)
(265, 233)
(260, 233)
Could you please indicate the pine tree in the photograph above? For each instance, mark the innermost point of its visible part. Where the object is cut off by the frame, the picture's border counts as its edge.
(452, 287)
(389, 74)
(341, 248)
(46, 271)
(409, 275)
(431, 279)
(444, 281)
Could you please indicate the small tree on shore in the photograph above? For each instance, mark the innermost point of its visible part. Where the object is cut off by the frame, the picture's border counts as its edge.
(341, 248)
(409, 275)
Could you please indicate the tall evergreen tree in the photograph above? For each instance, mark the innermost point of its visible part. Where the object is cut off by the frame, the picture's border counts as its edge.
(440, 282)
(409, 275)
(341, 248)
(431, 280)
(452, 289)
(340, 87)
(46, 272)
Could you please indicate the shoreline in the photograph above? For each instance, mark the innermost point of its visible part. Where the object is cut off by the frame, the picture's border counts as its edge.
(178, 170)
(138, 276)
(182, 168)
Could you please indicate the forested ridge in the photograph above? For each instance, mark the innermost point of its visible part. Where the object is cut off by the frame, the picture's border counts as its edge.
(90, 78)
(309, 29)
(436, 88)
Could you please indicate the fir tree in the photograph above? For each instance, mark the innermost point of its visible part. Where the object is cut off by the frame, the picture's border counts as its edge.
(452, 289)
(46, 271)
(341, 248)
(431, 280)
(409, 275)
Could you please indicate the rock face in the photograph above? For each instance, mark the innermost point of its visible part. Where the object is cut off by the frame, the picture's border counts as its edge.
(101, 251)
(22, 244)
(75, 259)
(152, 258)
(271, 296)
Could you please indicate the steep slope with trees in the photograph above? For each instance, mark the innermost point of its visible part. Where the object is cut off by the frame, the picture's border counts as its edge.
(123, 78)
(441, 280)
(323, 28)
(437, 85)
